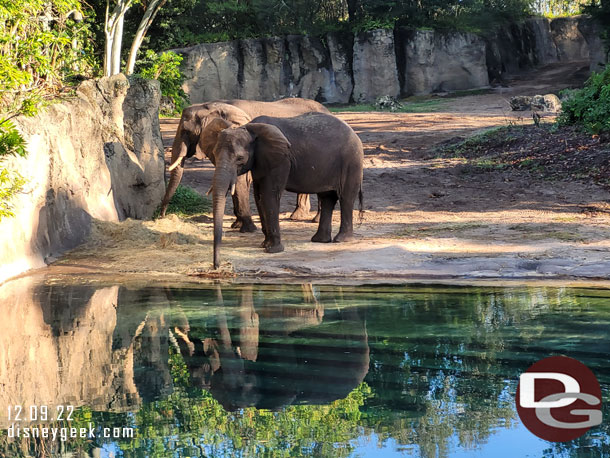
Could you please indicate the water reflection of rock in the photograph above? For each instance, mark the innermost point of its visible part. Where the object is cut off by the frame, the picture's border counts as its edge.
(107, 347)
(61, 345)
(272, 354)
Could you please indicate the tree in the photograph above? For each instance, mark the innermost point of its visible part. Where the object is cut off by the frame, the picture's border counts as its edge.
(113, 32)
(149, 16)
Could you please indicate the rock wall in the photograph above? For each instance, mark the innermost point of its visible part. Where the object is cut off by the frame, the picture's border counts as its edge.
(98, 155)
(438, 62)
(375, 66)
(540, 41)
(342, 68)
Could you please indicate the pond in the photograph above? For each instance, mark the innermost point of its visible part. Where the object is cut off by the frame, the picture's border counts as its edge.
(291, 370)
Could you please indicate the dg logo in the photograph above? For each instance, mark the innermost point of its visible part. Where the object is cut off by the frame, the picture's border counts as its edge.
(559, 399)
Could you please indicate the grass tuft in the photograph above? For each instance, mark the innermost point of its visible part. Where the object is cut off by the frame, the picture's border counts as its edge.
(187, 202)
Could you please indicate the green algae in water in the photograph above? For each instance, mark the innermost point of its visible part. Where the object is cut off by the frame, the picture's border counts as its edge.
(248, 370)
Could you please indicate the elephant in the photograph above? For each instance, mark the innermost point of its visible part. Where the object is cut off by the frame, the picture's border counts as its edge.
(237, 112)
(268, 355)
(311, 153)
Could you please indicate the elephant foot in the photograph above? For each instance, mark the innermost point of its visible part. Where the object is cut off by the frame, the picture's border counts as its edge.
(299, 214)
(343, 237)
(316, 219)
(244, 225)
(266, 243)
(320, 238)
(247, 226)
(277, 248)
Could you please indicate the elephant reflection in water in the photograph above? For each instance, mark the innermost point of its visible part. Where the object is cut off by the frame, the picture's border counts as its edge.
(273, 355)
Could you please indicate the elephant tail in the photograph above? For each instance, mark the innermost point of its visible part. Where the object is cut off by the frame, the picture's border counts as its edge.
(361, 205)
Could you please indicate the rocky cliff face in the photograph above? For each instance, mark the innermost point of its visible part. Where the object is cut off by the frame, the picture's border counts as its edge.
(339, 68)
(438, 62)
(98, 155)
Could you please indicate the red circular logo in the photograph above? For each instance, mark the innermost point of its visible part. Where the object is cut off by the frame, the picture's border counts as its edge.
(559, 399)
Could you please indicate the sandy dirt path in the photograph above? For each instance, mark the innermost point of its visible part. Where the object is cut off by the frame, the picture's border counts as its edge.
(425, 216)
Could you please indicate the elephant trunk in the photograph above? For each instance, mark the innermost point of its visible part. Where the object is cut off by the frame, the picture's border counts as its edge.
(220, 185)
(176, 168)
(174, 181)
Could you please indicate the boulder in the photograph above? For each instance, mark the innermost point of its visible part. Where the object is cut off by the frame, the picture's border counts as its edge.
(374, 66)
(439, 62)
(98, 155)
(388, 103)
(547, 103)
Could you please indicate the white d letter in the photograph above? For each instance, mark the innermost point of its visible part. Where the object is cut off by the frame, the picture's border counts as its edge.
(527, 389)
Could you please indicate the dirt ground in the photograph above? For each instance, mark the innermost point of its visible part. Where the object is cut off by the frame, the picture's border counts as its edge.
(426, 217)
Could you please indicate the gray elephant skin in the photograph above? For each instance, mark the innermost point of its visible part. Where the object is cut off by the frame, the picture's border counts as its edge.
(312, 153)
(193, 121)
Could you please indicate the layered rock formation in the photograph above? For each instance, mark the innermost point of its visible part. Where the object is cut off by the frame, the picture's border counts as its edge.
(339, 68)
(97, 155)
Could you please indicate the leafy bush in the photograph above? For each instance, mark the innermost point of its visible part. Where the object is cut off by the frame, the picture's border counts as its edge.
(589, 106)
(188, 202)
(41, 44)
(165, 67)
(11, 144)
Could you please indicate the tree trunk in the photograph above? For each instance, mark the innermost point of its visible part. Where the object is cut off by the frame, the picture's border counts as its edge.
(108, 53)
(353, 10)
(147, 20)
(117, 43)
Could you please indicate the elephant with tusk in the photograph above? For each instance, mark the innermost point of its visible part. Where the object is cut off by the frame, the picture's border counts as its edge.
(312, 153)
(188, 139)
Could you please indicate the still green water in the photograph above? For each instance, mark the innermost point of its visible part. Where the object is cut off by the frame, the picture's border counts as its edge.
(265, 370)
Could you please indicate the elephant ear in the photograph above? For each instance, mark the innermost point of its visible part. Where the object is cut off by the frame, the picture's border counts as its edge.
(270, 141)
(209, 136)
(236, 116)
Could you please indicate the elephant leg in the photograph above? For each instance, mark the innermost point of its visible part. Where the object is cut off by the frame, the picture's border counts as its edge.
(271, 189)
(328, 201)
(301, 211)
(346, 201)
(241, 205)
(261, 213)
(316, 219)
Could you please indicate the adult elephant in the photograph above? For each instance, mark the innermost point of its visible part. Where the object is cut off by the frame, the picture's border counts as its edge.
(193, 121)
(311, 153)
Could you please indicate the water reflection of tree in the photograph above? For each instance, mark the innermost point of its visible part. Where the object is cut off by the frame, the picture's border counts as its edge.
(443, 367)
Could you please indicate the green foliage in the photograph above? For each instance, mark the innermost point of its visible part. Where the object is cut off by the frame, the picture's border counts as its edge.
(41, 44)
(188, 202)
(222, 20)
(165, 67)
(11, 144)
(589, 106)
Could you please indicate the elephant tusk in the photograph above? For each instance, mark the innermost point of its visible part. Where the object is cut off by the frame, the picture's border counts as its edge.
(175, 164)
(210, 190)
(233, 189)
